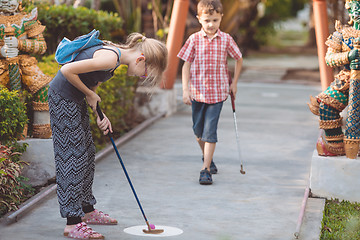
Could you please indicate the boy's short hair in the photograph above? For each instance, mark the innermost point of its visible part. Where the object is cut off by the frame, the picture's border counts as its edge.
(209, 7)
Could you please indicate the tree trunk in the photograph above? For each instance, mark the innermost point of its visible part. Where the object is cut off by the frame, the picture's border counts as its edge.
(95, 4)
(249, 15)
(79, 3)
(311, 42)
(69, 2)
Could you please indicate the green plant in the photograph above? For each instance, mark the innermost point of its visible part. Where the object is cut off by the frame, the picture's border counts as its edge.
(16, 149)
(13, 116)
(341, 220)
(275, 11)
(130, 11)
(48, 65)
(252, 22)
(67, 21)
(13, 190)
(161, 18)
(150, 17)
(117, 96)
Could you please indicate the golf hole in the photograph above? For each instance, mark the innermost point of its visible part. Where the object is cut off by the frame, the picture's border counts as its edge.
(168, 231)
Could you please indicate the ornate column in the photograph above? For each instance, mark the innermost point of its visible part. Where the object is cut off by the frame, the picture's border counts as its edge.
(174, 41)
(322, 33)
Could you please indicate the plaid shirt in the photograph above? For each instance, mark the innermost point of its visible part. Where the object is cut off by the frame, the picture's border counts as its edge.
(209, 79)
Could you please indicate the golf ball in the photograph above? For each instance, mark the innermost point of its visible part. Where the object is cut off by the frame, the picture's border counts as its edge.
(152, 226)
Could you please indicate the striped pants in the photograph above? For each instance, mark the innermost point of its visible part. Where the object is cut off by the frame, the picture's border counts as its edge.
(74, 152)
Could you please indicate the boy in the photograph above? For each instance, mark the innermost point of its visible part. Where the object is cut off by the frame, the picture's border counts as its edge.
(205, 79)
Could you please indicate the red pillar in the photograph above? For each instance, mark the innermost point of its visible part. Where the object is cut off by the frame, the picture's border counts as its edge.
(174, 41)
(322, 33)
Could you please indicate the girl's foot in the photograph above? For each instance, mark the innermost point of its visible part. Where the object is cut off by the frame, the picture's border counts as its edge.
(81, 231)
(98, 218)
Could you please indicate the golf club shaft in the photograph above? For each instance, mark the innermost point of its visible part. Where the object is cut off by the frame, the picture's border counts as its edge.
(237, 138)
(122, 164)
(236, 130)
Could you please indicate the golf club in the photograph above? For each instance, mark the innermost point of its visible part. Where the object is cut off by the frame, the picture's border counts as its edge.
(151, 228)
(237, 133)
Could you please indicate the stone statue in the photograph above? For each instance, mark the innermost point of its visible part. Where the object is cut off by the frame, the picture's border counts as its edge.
(21, 35)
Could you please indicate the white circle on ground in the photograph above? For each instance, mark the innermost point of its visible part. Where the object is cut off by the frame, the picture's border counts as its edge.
(168, 231)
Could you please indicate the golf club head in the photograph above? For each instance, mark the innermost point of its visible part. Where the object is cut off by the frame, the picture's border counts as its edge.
(242, 170)
(153, 231)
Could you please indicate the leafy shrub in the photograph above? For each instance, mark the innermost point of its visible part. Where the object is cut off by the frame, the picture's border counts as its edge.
(48, 65)
(275, 11)
(117, 97)
(67, 21)
(13, 190)
(13, 116)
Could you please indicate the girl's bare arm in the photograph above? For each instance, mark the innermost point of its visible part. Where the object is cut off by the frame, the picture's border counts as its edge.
(102, 60)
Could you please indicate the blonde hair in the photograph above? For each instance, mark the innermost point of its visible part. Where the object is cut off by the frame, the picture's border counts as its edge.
(209, 7)
(155, 52)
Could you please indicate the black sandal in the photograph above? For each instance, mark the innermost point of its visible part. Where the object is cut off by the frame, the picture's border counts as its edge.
(205, 177)
(213, 168)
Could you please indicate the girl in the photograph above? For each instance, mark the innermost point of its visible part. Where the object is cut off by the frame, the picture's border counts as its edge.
(73, 144)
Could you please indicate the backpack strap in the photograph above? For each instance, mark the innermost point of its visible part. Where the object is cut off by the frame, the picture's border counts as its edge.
(68, 50)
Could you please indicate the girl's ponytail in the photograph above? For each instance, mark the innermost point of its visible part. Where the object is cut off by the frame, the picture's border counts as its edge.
(156, 57)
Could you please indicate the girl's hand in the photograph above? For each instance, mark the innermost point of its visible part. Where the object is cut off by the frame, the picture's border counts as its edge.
(186, 97)
(104, 125)
(92, 99)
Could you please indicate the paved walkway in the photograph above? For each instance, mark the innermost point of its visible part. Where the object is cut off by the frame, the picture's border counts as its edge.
(278, 135)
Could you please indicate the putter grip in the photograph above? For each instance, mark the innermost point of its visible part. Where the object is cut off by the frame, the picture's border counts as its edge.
(98, 110)
(232, 101)
(101, 116)
(231, 94)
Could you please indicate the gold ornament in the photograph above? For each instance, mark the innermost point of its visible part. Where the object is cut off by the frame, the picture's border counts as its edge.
(347, 6)
(351, 148)
(330, 124)
(42, 131)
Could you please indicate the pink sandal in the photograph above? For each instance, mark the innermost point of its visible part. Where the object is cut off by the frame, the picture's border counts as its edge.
(99, 218)
(82, 231)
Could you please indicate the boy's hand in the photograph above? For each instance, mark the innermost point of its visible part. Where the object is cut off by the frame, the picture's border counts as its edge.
(233, 88)
(186, 97)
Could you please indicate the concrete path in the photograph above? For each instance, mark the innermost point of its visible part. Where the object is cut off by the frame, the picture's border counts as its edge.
(278, 135)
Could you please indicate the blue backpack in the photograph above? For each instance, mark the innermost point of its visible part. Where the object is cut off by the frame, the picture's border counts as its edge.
(67, 50)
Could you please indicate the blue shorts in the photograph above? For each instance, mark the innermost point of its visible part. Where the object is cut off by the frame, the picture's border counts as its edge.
(205, 120)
